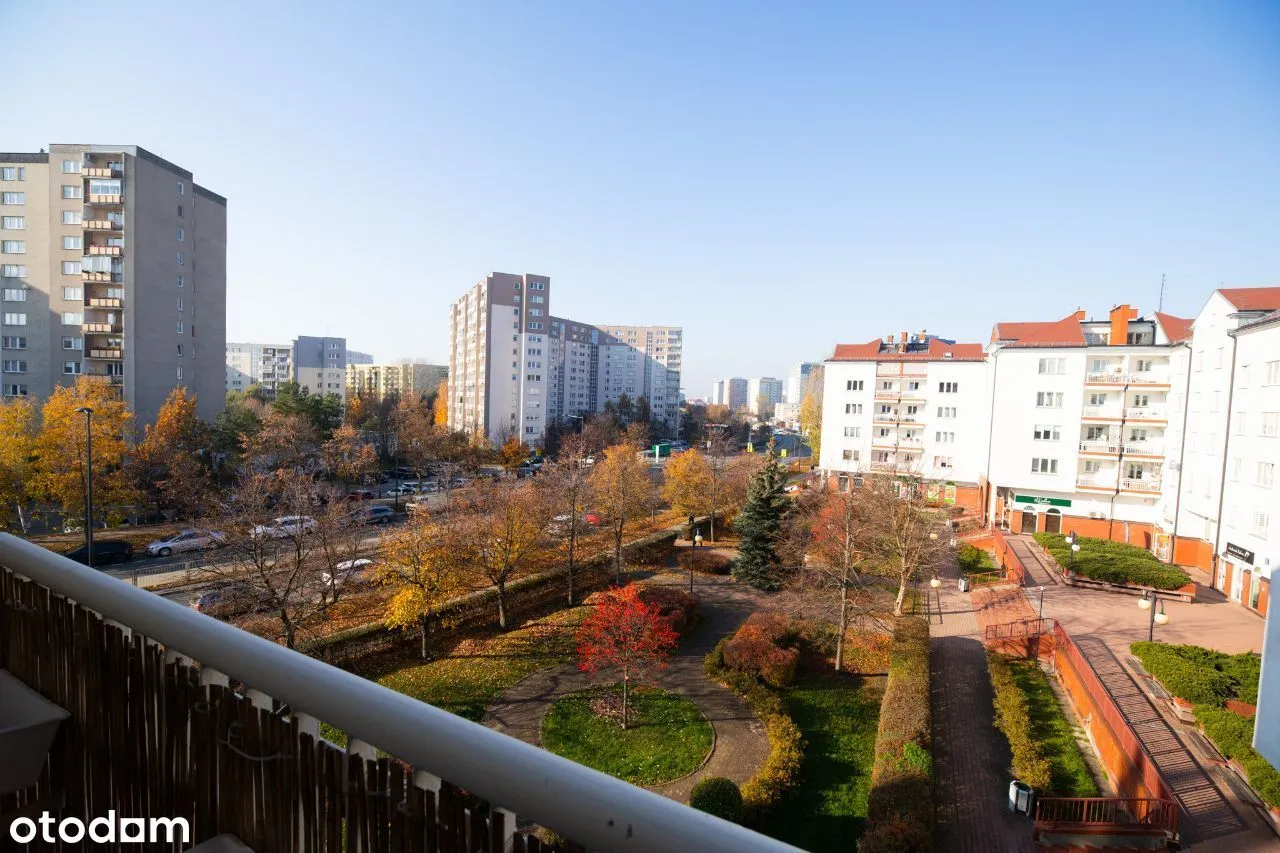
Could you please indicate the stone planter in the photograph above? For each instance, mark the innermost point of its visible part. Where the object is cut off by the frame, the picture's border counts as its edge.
(28, 722)
(1184, 710)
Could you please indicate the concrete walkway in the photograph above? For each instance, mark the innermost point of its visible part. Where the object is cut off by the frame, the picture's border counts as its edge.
(741, 745)
(971, 757)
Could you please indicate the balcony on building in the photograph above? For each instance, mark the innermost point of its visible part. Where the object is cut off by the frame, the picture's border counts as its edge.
(883, 465)
(100, 166)
(108, 223)
(1100, 447)
(110, 250)
(1142, 485)
(885, 394)
(107, 354)
(104, 302)
(888, 370)
(96, 327)
(1146, 413)
(1102, 413)
(1097, 482)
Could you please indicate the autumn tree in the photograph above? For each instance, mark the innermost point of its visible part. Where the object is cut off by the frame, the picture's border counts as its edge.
(623, 490)
(760, 526)
(905, 537)
(417, 439)
(599, 431)
(420, 563)
(348, 456)
(505, 531)
(687, 483)
(17, 456)
(283, 442)
(440, 407)
(811, 411)
(627, 636)
(60, 448)
(566, 485)
(169, 467)
(514, 452)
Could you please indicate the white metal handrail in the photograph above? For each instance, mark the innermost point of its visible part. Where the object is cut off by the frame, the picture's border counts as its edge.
(591, 808)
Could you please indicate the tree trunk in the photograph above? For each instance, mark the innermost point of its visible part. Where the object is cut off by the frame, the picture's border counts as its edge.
(426, 635)
(573, 531)
(902, 595)
(502, 606)
(711, 522)
(22, 517)
(289, 632)
(625, 699)
(844, 621)
(617, 553)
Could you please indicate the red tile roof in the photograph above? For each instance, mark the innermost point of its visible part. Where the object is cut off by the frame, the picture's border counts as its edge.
(1252, 298)
(938, 349)
(1059, 333)
(1175, 328)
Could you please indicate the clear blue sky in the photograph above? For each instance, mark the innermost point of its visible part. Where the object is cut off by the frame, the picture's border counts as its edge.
(774, 177)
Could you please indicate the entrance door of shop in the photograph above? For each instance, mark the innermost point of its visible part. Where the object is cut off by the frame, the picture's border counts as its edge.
(1029, 521)
(1053, 521)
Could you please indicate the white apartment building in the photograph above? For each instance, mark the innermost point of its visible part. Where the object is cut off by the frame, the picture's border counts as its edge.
(796, 380)
(404, 379)
(111, 260)
(916, 405)
(731, 392)
(263, 365)
(558, 369)
(763, 394)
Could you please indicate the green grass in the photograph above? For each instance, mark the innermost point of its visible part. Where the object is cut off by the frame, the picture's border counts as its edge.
(1049, 726)
(667, 737)
(838, 718)
(466, 680)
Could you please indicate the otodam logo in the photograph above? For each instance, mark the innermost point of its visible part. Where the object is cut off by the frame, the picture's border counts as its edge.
(101, 830)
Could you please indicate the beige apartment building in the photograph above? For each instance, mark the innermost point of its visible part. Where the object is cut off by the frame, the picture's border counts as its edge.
(405, 379)
(112, 264)
(515, 369)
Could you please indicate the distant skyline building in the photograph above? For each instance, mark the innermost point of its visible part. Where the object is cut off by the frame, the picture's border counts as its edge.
(515, 369)
(354, 357)
(405, 379)
(320, 364)
(796, 380)
(763, 393)
(264, 365)
(731, 392)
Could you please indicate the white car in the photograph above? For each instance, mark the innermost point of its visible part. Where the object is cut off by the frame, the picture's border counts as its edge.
(402, 489)
(359, 570)
(284, 527)
(187, 540)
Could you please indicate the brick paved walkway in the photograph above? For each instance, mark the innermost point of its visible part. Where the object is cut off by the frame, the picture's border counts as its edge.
(971, 757)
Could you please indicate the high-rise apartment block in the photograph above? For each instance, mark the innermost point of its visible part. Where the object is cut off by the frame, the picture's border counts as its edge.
(763, 393)
(731, 392)
(266, 366)
(515, 369)
(1154, 430)
(354, 357)
(796, 380)
(320, 365)
(406, 379)
(112, 264)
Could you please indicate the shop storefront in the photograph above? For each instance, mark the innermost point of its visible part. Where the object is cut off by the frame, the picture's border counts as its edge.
(1240, 578)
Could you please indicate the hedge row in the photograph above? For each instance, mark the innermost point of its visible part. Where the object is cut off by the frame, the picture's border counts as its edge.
(781, 770)
(900, 804)
(525, 597)
(1199, 675)
(1115, 562)
(759, 648)
(974, 560)
(1232, 734)
(1013, 717)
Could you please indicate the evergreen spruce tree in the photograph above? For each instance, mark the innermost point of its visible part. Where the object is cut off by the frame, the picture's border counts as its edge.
(760, 526)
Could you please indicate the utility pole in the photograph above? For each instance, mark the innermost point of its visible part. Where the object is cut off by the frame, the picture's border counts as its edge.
(1160, 304)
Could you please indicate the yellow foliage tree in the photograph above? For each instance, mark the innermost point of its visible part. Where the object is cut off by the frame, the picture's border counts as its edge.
(623, 490)
(514, 452)
(165, 467)
(421, 564)
(687, 483)
(506, 529)
(349, 456)
(60, 448)
(17, 449)
(440, 410)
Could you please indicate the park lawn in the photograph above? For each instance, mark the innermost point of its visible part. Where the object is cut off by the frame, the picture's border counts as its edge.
(838, 717)
(1049, 726)
(666, 738)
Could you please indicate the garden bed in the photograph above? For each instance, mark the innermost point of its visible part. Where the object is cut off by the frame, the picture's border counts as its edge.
(1116, 563)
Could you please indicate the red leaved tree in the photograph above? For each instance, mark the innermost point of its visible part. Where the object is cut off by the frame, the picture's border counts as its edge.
(625, 635)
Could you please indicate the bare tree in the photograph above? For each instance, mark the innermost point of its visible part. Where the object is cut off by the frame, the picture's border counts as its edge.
(566, 484)
(904, 536)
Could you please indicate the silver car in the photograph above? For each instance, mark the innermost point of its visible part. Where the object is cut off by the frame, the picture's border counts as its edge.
(284, 527)
(187, 540)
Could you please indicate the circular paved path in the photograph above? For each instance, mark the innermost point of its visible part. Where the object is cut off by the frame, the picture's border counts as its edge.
(741, 745)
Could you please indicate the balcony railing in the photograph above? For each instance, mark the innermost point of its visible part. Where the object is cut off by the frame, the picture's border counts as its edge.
(113, 354)
(104, 302)
(100, 172)
(1103, 412)
(1093, 482)
(1131, 484)
(1159, 815)
(157, 730)
(1145, 413)
(111, 277)
(114, 251)
(882, 466)
(102, 225)
(1144, 448)
(882, 394)
(101, 328)
(1106, 447)
(101, 198)
(888, 370)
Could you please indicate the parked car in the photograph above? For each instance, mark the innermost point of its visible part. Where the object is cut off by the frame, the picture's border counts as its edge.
(522, 471)
(793, 487)
(418, 505)
(374, 514)
(104, 552)
(360, 495)
(233, 599)
(285, 526)
(593, 519)
(359, 570)
(402, 489)
(187, 540)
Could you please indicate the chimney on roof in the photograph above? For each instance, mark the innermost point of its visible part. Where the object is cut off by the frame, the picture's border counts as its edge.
(1080, 315)
(904, 337)
(1120, 317)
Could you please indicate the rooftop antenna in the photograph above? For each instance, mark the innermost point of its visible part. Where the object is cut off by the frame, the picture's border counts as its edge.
(1160, 307)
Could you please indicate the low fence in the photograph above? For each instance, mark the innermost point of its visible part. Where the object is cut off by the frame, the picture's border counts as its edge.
(1027, 638)
(1155, 815)
(1009, 562)
(1131, 769)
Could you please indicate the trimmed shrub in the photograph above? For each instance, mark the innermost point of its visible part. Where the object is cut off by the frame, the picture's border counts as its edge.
(1232, 734)
(674, 603)
(900, 804)
(706, 562)
(781, 769)
(717, 796)
(1013, 718)
(1199, 675)
(757, 649)
(974, 560)
(1114, 562)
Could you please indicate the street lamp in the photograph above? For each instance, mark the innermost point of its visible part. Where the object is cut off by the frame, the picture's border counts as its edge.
(88, 484)
(936, 585)
(697, 541)
(1155, 609)
(1041, 590)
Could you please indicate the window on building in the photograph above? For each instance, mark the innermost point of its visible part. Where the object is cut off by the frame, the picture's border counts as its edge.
(182, 234)
(13, 247)
(71, 368)
(12, 390)
(1261, 521)
(182, 280)
(14, 294)
(14, 366)
(853, 432)
(73, 343)
(1273, 372)
(1092, 466)
(948, 387)
(70, 167)
(72, 217)
(1270, 427)
(1049, 399)
(179, 303)
(1047, 432)
(73, 243)
(1138, 434)
(13, 173)
(71, 268)
(181, 259)
(13, 198)
(180, 375)
(1240, 420)
(849, 455)
(853, 385)
(73, 294)
(13, 223)
(72, 191)
(1266, 474)
(15, 319)
(944, 437)
(181, 188)
(13, 270)
(13, 342)
(1141, 401)
(1041, 465)
(1142, 365)
(1052, 366)
(853, 408)
(72, 318)
(943, 462)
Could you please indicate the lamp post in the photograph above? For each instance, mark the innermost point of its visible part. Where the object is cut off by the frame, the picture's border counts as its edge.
(88, 484)
(936, 586)
(697, 541)
(1041, 590)
(1155, 610)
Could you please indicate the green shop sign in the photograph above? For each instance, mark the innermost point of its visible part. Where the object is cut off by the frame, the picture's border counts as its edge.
(1033, 499)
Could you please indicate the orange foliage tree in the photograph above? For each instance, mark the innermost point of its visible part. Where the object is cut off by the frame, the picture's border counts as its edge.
(626, 635)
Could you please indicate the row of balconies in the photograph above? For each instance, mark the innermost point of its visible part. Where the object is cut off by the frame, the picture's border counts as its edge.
(1115, 413)
(113, 251)
(103, 302)
(102, 224)
(1145, 378)
(1112, 448)
(1136, 485)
